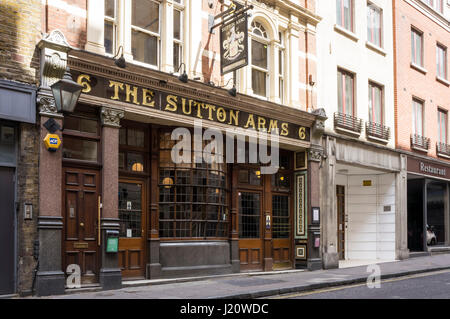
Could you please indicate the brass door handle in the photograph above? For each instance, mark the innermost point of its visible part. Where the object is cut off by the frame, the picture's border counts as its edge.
(82, 225)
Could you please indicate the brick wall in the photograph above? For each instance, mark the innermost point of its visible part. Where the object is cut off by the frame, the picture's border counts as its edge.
(28, 192)
(68, 16)
(19, 34)
(20, 31)
(413, 83)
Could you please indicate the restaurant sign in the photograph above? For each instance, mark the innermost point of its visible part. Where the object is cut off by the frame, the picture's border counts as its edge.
(426, 168)
(172, 103)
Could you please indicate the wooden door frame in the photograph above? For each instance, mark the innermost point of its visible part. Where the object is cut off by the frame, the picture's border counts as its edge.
(79, 166)
(291, 204)
(144, 206)
(344, 224)
(261, 221)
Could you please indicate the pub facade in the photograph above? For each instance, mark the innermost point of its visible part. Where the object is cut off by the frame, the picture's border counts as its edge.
(115, 206)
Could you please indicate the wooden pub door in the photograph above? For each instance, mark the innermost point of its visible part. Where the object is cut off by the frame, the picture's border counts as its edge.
(251, 236)
(81, 221)
(132, 212)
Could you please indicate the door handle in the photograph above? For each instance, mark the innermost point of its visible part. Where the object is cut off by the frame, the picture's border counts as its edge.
(82, 225)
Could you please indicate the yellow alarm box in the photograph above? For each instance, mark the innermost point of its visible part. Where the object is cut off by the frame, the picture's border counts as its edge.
(52, 142)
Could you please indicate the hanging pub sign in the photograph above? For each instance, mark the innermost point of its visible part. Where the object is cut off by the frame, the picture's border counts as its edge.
(234, 41)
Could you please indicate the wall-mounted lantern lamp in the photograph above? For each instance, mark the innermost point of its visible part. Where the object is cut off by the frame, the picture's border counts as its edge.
(183, 77)
(120, 62)
(66, 93)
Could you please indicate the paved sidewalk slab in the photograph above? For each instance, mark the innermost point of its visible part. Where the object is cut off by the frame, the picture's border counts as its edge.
(251, 286)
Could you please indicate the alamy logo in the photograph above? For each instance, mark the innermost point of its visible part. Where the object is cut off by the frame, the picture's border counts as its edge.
(73, 280)
(258, 147)
(374, 279)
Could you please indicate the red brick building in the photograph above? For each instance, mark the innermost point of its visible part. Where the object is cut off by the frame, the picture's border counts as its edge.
(422, 103)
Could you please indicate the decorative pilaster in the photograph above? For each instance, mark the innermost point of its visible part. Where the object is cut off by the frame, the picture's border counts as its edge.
(50, 278)
(315, 156)
(401, 222)
(110, 273)
(111, 117)
(329, 244)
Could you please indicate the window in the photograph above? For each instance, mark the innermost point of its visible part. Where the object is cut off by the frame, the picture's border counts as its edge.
(110, 26)
(177, 34)
(442, 126)
(441, 60)
(281, 52)
(344, 12)
(7, 144)
(249, 215)
(417, 117)
(437, 5)
(133, 150)
(192, 196)
(416, 47)
(280, 214)
(374, 24)
(346, 99)
(145, 31)
(81, 135)
(375, 103)
(259, 61)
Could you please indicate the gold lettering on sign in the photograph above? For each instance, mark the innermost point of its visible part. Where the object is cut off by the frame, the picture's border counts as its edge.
(116, 86)
(83, 80)
(199, 109)
(302, 133)
(133, 93)
(147, 98)
(234, 117)
(250, 122)
(183, 104)
(221, 115)
(273, 126)
(261, 124)
(210, 108)
(284, 129)
(172, 103)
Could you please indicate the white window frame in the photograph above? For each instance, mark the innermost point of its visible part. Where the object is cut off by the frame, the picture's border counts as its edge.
(439, 63)
(352, 15)
(415, 117)
(157, 35)
(370, 25)
(281, 68)
(115, 23)
(181, 8)
(264, 41)
(414, 34)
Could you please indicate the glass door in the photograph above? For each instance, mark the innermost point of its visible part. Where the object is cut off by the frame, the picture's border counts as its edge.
(250, 231)
(132, 229)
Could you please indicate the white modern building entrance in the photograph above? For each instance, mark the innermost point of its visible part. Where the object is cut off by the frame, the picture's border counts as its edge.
(366, 209)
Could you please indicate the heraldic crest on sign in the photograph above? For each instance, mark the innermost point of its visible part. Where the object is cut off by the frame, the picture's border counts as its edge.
(234, 40)
(233, 45)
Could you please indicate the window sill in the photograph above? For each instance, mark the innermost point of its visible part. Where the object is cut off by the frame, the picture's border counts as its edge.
(418, 68)
(345, 32)
(420, 149)
(376, 48)
(377, 139)
(443, 81)
(347, 132)
(439, 154)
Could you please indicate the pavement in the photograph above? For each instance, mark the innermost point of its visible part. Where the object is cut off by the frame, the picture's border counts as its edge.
(258, 285)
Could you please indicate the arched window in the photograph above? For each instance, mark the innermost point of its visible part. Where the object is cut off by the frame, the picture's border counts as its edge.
(260, 60)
